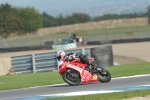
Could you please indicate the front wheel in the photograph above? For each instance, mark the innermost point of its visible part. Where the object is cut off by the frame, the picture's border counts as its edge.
(71, 77)
(104, 75)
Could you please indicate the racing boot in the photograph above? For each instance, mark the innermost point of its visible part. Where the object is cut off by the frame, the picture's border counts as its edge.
(92, 67)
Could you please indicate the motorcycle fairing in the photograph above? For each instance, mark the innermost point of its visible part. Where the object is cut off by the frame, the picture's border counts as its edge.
(62, 67)
(86, 76)
(80, 70)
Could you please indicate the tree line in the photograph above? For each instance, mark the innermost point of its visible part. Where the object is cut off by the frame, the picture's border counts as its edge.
(50, 21)
(20, 21)
(17, 20)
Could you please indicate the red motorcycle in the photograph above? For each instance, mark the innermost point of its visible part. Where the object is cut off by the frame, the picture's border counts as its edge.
(74, 72)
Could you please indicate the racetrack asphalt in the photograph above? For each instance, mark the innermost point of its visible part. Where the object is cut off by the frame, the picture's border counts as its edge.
(122, 82)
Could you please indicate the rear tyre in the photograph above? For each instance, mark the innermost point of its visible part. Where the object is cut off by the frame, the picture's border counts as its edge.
(71, 77)
(104, 75)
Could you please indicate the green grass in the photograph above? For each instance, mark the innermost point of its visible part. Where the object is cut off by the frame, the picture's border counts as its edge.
(130, 69)
(29, 80)
(48, 78)
(107, 96)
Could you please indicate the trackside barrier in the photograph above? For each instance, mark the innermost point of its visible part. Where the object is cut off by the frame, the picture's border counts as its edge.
(64, 46)
(40, 62)
(118, 41)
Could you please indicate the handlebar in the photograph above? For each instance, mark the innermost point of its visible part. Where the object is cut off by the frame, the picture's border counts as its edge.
(70, 57)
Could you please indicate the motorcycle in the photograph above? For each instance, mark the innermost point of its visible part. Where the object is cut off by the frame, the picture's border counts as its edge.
(74, 72)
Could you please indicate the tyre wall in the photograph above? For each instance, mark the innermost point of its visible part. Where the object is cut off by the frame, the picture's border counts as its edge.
(103, 55)
(118, 41)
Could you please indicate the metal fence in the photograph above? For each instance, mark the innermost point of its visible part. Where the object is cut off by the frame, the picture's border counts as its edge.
(105, 34)
(40, 62)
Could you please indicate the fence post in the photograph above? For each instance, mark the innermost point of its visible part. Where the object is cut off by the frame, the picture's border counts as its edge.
(33, 63)
(88, 36)
(83, 51)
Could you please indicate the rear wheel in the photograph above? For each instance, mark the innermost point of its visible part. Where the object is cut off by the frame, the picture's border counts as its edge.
(72, 77)
(104, 75)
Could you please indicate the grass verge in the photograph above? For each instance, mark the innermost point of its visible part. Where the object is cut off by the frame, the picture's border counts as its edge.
(48, 78)
(107, 96)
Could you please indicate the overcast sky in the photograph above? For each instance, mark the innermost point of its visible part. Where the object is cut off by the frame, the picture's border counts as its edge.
(61, 6)
(52, 5)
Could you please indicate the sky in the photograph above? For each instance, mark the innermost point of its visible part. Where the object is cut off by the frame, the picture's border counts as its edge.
(57, 6)
(53, 6)
(61, 6)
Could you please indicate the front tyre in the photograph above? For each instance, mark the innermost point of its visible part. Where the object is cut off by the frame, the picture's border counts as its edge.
(71, 77)
(104, 75)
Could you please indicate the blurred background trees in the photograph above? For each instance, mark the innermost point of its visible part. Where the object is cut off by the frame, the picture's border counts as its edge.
(148, 14)
(20, 21)
(17, 21)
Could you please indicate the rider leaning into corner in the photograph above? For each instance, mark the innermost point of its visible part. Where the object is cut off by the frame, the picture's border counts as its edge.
(82, 58)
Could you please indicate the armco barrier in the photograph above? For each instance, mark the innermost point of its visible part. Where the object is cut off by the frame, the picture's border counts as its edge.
(64, 46)
(47, 61)
(39, 62)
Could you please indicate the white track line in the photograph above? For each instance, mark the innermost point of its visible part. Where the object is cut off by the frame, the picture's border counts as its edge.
(131, 76)
(67, 84)
(90, 92)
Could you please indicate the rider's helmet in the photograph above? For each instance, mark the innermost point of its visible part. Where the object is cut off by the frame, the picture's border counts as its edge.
(60, 54)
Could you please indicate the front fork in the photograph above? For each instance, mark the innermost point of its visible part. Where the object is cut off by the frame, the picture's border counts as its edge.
(102, 71)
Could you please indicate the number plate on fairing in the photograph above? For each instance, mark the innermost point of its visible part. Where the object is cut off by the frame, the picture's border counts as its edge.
(94, 77)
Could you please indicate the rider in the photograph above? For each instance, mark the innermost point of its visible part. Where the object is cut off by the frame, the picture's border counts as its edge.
(60, 56)
(83, 59)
